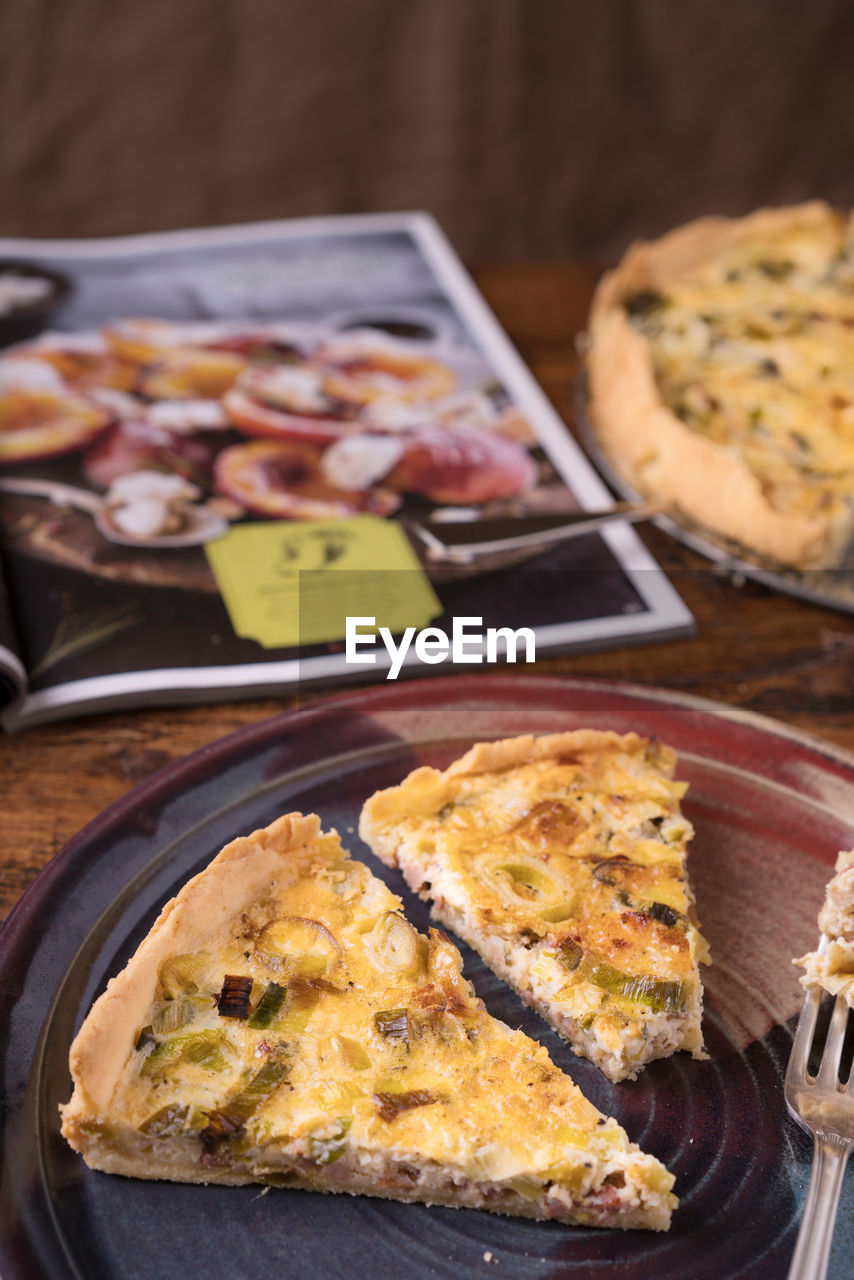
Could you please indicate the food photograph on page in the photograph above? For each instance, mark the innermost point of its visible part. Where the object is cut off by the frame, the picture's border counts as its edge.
(340, 401)
(427, 640)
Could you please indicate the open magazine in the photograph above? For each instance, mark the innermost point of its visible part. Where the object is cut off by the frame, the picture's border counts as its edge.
(303, 451)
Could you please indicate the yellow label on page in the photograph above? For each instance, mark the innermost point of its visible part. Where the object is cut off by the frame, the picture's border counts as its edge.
(293, 583)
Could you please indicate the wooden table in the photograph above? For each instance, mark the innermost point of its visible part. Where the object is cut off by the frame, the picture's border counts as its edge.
(754, 648)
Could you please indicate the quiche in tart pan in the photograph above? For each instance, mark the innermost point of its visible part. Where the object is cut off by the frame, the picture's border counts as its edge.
(721, 372)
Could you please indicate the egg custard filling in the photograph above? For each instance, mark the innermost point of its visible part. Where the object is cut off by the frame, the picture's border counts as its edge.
(562, 861)
(284, 1023)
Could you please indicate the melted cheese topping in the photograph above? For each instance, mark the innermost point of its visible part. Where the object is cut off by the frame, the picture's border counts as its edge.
(754, 349)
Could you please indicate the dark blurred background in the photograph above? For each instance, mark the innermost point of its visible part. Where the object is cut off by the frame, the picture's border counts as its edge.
(531, 128)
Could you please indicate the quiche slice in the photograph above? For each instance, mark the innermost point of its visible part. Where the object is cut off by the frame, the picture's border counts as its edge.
(561, 860)
(721, 375)
(831, 965)
(283, 1023)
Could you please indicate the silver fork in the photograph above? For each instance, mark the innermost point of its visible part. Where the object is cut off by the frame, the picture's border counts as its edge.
(824, 1106)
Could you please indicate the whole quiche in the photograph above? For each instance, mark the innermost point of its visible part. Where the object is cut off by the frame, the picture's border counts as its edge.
(721, 376)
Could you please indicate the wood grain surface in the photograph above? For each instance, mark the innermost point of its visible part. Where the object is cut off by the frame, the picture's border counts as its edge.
(753, 648)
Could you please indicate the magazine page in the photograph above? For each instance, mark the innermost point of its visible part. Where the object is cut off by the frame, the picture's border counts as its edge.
(13, 675)
(260, 452)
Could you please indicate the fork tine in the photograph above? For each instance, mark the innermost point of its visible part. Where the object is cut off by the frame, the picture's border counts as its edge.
(828, 1074)
(849, 1084)
(803, 1036)
(822, 1106)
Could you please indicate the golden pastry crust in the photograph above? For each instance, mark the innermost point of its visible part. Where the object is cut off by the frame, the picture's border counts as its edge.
(561, 860)
(357, 1058)
(707, 465)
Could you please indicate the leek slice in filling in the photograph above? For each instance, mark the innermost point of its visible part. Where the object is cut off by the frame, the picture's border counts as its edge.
(228, 1120)
(205, 1049)
(658, 994)
(268, 1007)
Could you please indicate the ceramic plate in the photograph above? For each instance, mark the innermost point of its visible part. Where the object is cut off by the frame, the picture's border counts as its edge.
(771, 808)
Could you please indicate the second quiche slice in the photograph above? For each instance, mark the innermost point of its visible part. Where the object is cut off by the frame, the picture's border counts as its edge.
(283, 1023)
(561, 860)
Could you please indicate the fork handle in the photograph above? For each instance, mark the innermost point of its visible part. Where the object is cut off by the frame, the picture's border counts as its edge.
(830, 1155)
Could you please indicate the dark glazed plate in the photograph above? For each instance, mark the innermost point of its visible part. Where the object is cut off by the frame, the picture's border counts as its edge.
(771, 808)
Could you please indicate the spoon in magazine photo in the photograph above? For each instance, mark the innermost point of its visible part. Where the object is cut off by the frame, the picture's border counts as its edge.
(154, 511)
(460, 537)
